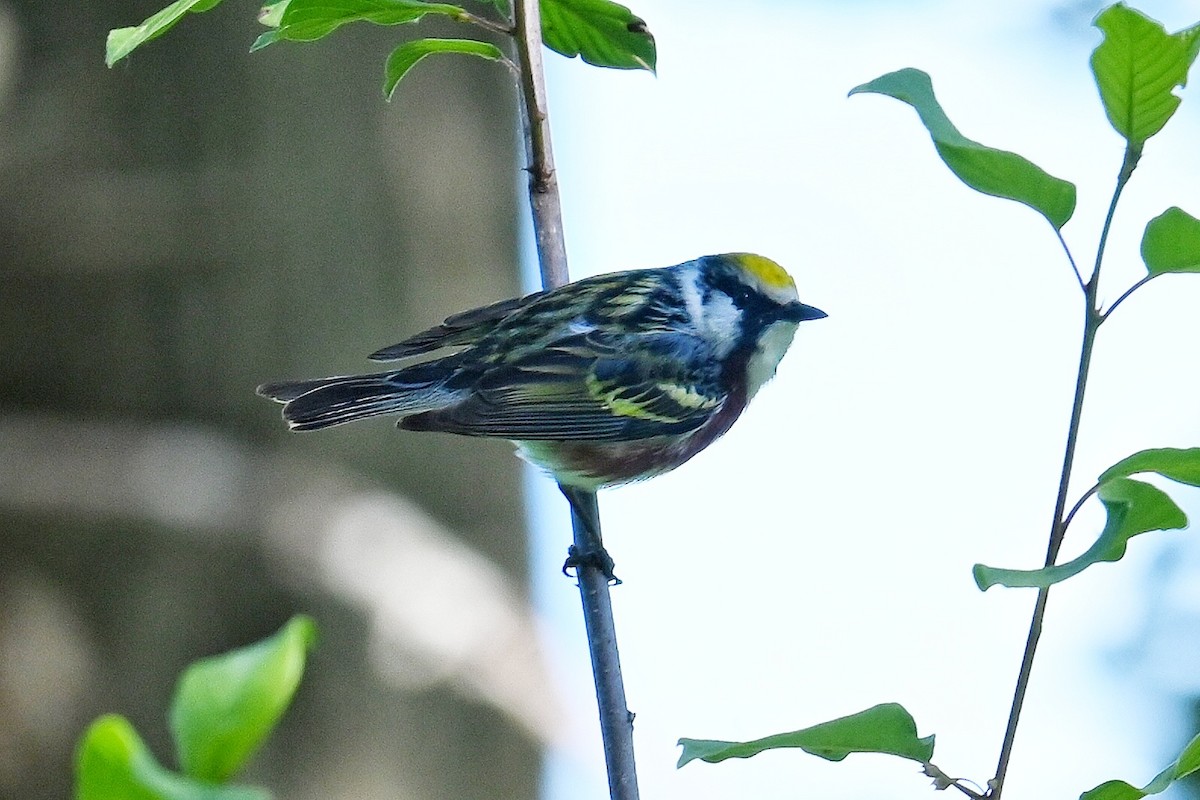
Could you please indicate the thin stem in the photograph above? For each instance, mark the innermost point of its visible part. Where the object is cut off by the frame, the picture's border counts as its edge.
(1078, 505)
(1058, 525)
(1127, 292)
(943, 781)
(1128, 165)
(616, 723)
(1071, 259)
(543, 184)
(483, 22)
(1056, 536)
(968, 791)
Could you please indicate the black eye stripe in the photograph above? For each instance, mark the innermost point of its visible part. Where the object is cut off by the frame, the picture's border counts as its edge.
(744, 297)
(729, 285)
(719, 276)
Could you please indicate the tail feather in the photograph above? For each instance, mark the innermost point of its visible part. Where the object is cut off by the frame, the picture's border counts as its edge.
(315, 404)
(283, 391)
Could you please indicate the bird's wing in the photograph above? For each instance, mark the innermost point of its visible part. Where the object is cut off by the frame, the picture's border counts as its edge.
(590, 387)
(463, 328)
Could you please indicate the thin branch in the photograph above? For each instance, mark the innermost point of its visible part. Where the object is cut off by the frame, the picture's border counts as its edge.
(616, 723)
(1066, 523)
(942, 781)
(1128, 165)
(543, 184)
(1056, 536)
(1071, 259)
(487, 24)
(1058, 525)
(1126, 293)
(968, 791)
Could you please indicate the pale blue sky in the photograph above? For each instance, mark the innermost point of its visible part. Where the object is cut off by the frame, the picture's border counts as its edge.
(816, 561)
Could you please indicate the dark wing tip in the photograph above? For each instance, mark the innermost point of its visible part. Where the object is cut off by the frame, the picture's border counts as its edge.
(423, 421)
(284, 391)
(287, 391)
(398, 351)
(458, 329)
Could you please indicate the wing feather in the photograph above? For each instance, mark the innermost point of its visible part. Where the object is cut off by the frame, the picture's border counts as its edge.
(590, 387)
(463, 328)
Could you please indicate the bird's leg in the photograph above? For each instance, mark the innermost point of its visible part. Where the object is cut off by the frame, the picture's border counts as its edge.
(589, 552)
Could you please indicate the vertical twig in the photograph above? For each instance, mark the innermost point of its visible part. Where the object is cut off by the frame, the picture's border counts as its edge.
(543, 183)
(1058, 527)
(616, 723)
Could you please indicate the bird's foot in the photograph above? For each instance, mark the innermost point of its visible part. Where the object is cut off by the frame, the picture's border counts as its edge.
(589, 549)
(596, 557)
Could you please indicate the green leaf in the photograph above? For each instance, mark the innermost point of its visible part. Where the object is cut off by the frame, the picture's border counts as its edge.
(1133, 507)
(1137, 67)
(406, 56)
(123, 41)
(308, 20)
(1187, 763)
(226, 705)
(1171, 242)
(271, 14)
(602, 33)
(887, 728)
(1180, 465)
(113, 763)
(985, 169)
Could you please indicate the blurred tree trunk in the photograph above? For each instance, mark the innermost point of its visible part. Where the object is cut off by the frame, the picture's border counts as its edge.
(181, 228)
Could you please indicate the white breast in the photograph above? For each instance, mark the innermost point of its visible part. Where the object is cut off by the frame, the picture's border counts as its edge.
(772, 345)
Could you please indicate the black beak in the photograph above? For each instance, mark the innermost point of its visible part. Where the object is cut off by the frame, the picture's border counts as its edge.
(798, 312)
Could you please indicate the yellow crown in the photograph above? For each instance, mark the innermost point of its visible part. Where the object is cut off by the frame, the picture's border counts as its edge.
(764, 269)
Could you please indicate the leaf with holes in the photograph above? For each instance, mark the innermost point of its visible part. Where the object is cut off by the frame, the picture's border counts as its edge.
(1137, 67)
(602, 33)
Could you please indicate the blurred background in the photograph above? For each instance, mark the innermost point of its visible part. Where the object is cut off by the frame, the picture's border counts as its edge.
(197, 220)
(175, 231)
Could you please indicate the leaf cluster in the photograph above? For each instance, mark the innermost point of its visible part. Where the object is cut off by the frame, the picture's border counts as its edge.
(226, 706)
(601, 32)
(223, 710)
(1137, 68)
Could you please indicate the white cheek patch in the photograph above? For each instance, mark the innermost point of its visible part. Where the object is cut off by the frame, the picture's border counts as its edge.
(772, 345)
(718, 321)
(689, 287)
(721, 315)
(721, 323)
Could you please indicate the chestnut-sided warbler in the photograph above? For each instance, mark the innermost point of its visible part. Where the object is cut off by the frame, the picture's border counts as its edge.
(600, 382)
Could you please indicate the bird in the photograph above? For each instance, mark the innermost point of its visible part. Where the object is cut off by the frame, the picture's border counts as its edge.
(600, 382)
